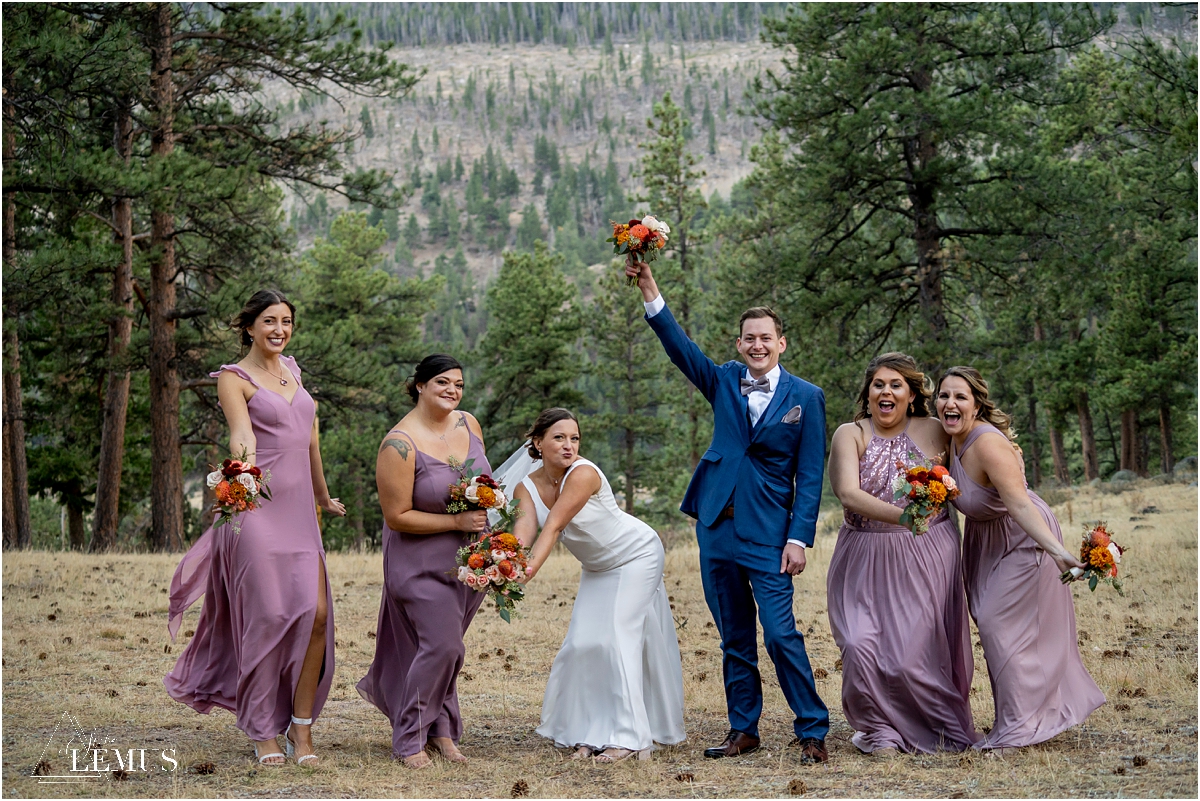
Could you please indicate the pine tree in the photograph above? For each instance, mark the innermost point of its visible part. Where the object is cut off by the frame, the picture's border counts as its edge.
(525, 374)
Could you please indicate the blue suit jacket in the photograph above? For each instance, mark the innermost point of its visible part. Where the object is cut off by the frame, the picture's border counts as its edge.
(772, 472)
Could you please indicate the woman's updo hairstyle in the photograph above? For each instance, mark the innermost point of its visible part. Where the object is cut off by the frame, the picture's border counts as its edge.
(432, 365)
(906, 366)
(988, 411)
(259, 302)
(542, 424)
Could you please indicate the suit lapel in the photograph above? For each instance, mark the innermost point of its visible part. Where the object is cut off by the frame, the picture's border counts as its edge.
(778, 399)
(742, 403)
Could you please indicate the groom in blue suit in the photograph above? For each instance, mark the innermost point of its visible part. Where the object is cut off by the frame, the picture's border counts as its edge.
(754, 496)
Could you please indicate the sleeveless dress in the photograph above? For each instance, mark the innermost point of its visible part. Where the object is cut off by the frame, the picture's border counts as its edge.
(423, 616)
(617, 681)
(899, 616)
(259, 586)
(1025, 616)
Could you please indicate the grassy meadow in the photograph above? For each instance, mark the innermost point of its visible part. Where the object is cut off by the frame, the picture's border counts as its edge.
(85, 643)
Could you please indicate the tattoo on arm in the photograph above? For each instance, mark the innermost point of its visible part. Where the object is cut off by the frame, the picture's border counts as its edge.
(462, 421)
(399, 445)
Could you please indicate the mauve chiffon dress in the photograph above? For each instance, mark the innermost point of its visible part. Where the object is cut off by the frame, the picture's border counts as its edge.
(423, 617)
(259, 586)
(899, 615)
(1025, 616)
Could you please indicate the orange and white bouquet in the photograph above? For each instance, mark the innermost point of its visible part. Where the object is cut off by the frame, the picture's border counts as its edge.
(643, 238)
(495, 564)
(474, 491)
(927, 489)
(239, 487)
(1101, 556)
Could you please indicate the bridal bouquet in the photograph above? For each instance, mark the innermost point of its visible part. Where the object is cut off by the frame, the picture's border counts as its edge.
(495, 564)
(927, 488)
(239, 488)
(643, 238)
(1101, 555)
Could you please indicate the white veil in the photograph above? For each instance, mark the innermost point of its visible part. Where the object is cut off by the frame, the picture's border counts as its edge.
(512, 472)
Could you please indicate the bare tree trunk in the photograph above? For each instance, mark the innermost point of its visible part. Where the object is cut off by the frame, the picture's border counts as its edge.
(18, 532)
(1035, 455)
(1087, 434)
(1129, 444)
(1164, 433)
(166, 455)
(919, 152)
(120, 330)
(1058, 454)
(75, 530)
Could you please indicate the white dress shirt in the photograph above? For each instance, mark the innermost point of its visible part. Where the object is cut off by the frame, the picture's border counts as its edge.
(756, 401)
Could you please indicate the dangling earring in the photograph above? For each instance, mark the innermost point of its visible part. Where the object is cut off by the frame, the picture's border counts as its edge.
(910, 410)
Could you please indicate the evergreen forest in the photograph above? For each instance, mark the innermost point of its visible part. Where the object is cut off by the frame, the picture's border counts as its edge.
(1006, 185)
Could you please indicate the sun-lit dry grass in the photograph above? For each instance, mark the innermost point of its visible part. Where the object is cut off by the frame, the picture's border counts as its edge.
(102, 658)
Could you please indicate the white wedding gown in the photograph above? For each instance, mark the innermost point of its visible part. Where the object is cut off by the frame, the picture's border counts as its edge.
(617, 682)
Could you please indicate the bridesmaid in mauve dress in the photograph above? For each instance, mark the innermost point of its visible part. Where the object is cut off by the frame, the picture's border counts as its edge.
(263, 647)
(1013, 556)
(425, 609)
(896, 602)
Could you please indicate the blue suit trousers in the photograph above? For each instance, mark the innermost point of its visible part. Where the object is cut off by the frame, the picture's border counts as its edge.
(737, 580)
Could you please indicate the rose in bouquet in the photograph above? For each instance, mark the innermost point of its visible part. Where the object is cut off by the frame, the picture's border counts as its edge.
(927, 488)
(240, 487)
(474, 490)
(1100, 555)
(495, 564)
(641, 239)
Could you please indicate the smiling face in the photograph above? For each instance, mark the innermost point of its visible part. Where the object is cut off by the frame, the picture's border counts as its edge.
(443, 391)
(559, 445)
(888, 397)
(760, 345)
(272, 330)
(956, 406)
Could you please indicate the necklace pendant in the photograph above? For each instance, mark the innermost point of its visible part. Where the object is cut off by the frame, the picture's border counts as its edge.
(283, 382)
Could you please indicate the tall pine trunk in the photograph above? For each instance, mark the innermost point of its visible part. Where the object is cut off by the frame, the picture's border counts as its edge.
(1087, 435)
(1129, 440)
(75, 529)
(1164, 433)
(120, 329)
(1035, 455)
(1058, 454)
(18, 533)
(166, 456)
(920, 151)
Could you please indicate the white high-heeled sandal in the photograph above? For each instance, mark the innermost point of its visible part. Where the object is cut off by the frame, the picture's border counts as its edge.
(262, 760)
(291, 747)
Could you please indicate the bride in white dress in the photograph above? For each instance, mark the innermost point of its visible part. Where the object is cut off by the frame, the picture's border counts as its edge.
(616, 687)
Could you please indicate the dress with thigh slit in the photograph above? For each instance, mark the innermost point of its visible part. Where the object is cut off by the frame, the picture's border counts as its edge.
(1025, 616)
(259, 585)
(423, 617)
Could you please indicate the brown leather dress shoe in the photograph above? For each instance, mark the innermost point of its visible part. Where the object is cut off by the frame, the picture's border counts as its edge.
(812, 750)
(736, 742)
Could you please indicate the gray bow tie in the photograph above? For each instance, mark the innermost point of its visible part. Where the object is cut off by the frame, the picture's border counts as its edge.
(756, 385)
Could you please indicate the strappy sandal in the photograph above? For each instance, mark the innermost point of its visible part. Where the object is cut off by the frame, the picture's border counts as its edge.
(621, 755)
(262, 759)
(290, 747)
(583, 752)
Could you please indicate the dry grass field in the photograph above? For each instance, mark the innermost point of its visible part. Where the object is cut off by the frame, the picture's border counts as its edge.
(86, 636)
